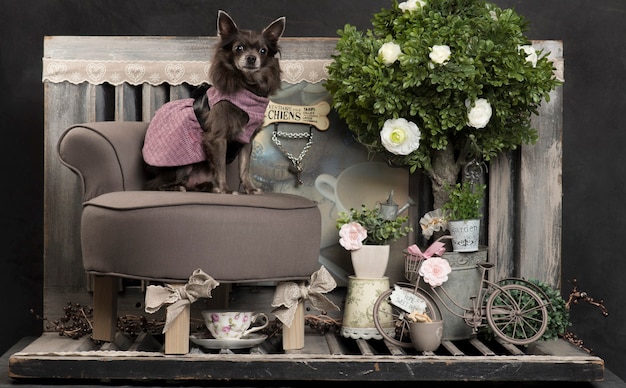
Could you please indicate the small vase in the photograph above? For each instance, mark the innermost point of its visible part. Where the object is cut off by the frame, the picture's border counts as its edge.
(465, 234)
(426, 336)
(370, 261)
(358, 317)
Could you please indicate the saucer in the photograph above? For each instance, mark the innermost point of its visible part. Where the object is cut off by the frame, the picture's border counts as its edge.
(229, 343)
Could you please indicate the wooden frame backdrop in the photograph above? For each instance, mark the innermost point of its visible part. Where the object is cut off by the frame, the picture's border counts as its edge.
(524, 218)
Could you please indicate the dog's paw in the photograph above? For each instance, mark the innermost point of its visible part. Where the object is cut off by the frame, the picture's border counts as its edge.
(253, 190)
(217, 190)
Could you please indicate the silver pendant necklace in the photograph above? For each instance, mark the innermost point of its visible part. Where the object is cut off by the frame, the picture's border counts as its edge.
(296, 166)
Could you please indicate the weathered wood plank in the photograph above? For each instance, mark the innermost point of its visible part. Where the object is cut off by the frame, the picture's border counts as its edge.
(540, 190)
(53, 342)
(127, 103)
(51, 356)
(482, 348)
(333, 344)
(158, 48)
(153, 97)
(394, 350)
(179, 92)
(63, 264)
(296, 367)
(512, 349)
(502, 230)
(364, 347)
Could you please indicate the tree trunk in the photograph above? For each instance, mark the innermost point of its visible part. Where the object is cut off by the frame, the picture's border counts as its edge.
(445, 171)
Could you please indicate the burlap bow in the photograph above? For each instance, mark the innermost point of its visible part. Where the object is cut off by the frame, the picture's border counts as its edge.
(288, 295)
(179, 295)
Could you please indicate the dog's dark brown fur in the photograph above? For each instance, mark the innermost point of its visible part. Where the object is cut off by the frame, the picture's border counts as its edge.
(243, 59)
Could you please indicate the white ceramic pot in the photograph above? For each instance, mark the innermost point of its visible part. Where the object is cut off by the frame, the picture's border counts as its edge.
(465, 234)
(370, 261)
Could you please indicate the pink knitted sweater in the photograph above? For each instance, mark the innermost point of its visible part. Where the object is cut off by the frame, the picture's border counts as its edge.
(174, 136)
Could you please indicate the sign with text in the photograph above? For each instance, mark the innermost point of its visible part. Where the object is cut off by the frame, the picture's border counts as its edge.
(407, 300)
(315, 115)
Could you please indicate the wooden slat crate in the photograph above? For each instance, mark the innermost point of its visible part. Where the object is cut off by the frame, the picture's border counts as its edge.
(523, 235)
(326, 357)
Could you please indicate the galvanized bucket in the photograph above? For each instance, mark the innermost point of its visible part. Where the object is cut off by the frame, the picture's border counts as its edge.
(463, 283)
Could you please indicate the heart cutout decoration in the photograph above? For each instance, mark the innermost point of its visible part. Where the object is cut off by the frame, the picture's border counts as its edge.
(174, 71)
(135, 71)
(56, 69)
(96, 71)
(293, 71)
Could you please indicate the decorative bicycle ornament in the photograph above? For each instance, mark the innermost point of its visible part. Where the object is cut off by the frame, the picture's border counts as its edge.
(514, 309)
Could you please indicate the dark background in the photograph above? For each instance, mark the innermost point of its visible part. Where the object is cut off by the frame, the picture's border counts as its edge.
(594, 36)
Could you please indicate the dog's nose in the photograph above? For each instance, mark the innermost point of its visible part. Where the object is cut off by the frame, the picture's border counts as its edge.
(251, 59)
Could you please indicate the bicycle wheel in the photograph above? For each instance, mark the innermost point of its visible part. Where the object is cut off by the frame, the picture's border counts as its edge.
(517, 314)
(391, 321)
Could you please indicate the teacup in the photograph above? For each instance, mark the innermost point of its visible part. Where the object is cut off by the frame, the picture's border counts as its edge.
(365, 183)
(229, 324)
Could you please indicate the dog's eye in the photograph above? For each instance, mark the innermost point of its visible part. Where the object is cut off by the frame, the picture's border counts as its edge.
(239, 48)
(263, 51)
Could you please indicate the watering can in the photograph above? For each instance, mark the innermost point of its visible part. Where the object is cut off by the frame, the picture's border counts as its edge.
(389, 210)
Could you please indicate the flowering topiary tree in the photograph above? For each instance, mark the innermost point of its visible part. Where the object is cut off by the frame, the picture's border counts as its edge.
(437, 83)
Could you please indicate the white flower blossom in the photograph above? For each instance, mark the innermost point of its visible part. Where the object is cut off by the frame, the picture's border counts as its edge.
(531, 54)
(389, 52)
(479, 114)
(400, 136)
(411, 5)
(433, 221)
(440, 54)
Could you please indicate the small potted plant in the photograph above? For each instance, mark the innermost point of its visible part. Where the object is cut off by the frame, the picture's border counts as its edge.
(463, 213)
(367, 235)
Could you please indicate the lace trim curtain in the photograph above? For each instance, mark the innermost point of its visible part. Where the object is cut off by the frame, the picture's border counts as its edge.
(157, 72)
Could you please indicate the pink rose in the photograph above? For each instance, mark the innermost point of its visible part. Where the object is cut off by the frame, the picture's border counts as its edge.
(352, 235)
(435, 271)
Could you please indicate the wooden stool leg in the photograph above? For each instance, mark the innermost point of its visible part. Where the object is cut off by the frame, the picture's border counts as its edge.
(177, 336)
(104, 308)
(293, 337)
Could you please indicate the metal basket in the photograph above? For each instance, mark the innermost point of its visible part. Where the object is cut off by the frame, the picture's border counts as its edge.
(411, 266)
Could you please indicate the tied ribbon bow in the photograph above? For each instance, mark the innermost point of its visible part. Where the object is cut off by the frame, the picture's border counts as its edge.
(179, 295)
(288, 294)
(437, 248)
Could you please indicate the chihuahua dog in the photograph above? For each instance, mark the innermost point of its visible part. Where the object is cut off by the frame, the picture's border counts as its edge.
(189, 142)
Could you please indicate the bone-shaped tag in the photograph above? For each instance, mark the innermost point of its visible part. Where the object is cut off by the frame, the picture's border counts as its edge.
(316, 115)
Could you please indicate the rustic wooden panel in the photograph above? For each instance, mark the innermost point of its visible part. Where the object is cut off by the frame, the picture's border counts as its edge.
(127, 103)
(180, 91)
(525, 187)
(152, 99)
(540, 188)
(65, 104)
(168, 48)
(502, 231)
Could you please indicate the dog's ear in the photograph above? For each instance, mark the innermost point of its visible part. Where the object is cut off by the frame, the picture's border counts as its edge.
(275, 30)
(225, 25)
